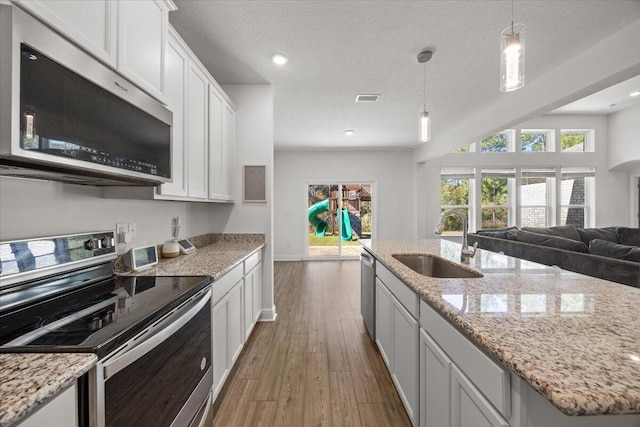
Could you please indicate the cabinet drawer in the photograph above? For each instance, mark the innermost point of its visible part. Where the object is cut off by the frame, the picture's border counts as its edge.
(489, 377)
(252, 261)
(224, 284)
(407, 296)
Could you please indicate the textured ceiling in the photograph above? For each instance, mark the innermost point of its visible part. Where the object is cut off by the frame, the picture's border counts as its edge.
(338, 49)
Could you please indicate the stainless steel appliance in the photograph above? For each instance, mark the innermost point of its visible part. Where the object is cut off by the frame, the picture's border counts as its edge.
(368, 292)
(65, 116)
(152, 335)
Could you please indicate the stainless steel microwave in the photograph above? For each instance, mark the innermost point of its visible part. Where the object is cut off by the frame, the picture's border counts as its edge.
(65, 116)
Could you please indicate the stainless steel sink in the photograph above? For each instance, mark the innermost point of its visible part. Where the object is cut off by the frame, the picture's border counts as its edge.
(429, 265)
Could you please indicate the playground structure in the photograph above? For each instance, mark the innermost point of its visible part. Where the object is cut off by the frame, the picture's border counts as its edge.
(350, 221)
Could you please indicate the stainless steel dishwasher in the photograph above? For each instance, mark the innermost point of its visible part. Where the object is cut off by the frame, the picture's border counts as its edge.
(368, 292)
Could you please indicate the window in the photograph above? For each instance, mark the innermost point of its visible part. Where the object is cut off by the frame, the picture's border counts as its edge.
(536, 141)
(497, 187)
(576, 141)
(456, 189)
(575, 197)
(466, 148)
(536, 189)
(499, 143)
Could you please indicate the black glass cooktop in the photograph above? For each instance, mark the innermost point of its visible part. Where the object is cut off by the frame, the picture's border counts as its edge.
(96, 318)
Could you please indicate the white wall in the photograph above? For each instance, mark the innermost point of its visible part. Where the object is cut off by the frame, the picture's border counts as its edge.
(612, 188)
(634, 209)
(624, 134)
(392, 170)
(254, 146)
(30, 208)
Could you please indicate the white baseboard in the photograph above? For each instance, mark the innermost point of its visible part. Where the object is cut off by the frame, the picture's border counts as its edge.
(287, 258)
(268, 315)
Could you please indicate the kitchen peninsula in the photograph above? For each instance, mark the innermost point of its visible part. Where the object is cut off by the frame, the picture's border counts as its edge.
(524, 345)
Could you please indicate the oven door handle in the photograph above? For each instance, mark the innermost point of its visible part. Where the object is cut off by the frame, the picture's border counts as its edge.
(166, 328)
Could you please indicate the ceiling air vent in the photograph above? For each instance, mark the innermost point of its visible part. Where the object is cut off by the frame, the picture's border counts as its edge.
(367, 98)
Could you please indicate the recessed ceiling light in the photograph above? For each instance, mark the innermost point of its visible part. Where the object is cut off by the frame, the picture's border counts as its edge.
(279, 59)
(635, 93)
(348, 132)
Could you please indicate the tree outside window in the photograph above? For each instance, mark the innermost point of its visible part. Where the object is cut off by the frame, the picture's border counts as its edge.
(576, 141)
(455, 192)
(496, 197)
(498, 143)
(535, 141)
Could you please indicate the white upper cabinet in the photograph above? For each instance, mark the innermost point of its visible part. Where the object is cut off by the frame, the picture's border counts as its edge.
(228, 153)
(129, 35)
(197, 141)
(221, 146)
(142, 43)
(215, 143)
(91, 24)
(177, 68)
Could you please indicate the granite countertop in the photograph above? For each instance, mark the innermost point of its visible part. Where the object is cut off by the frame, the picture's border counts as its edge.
(572, 337)
(216, 254)
(29, 380)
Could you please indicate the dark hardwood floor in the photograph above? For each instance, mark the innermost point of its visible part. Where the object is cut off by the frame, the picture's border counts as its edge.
(315, 365)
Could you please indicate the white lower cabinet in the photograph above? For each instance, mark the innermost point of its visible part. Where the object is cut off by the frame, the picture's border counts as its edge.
(236, 331)
(252, 299)
(397, 338)
(233, 315)
(405, 358)
(61, 411)
(469, 408)
(220, 350)
(257, 292)
(383, 321)
(435, 384)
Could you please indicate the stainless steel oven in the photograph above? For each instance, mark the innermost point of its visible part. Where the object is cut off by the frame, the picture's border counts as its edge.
(151, 334)
(160, 377)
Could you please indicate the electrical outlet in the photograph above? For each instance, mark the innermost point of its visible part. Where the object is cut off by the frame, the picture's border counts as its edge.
(122, 228)
(133, 230)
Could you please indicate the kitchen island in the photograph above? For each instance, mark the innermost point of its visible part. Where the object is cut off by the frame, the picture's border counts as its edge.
(571, 338)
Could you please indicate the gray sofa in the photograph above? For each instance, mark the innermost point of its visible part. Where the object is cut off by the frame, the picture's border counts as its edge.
(610, 253)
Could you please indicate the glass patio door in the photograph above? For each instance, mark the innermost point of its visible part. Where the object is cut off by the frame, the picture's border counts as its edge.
(338, 216)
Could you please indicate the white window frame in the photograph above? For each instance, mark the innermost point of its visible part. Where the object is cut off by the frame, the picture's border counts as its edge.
(550, 136)
(589, 195)
(471, 197)
(589, 140)
(550, 196)
(511, 138)
(511, 196)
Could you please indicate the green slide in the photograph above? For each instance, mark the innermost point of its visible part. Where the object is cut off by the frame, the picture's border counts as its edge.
(346, 231)
(319, 224)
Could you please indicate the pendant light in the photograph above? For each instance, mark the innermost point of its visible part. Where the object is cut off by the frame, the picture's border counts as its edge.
(512, 56)
(425, 121)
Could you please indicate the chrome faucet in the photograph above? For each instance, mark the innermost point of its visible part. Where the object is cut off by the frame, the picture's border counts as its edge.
(465, 254)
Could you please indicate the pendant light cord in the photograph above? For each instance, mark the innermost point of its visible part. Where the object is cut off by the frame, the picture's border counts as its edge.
(424, 87)
(512, 16)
